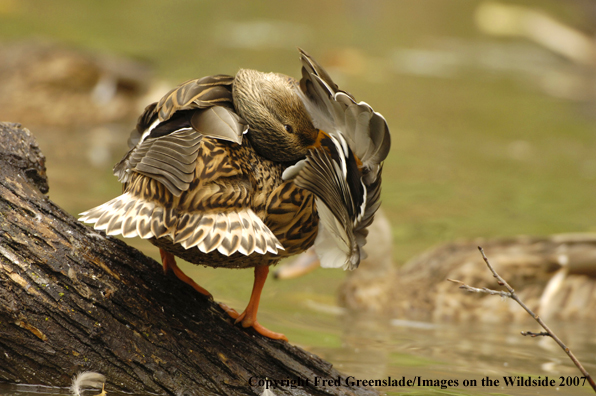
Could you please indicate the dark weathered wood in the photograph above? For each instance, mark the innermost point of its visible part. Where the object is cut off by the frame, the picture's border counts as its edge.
(73, 300)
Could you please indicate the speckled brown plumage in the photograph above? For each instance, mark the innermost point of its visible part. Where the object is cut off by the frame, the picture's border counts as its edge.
(229, 177)
(232, 172)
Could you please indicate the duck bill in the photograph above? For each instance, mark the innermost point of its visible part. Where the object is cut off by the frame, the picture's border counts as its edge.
(322, 136)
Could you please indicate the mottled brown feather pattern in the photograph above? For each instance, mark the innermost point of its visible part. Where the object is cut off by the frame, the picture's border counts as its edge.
(229, 172)
(290, 217)
(205, 109)
(229, 178)
(222, 203)
(215, 196)
(269, 104)
(198, 93)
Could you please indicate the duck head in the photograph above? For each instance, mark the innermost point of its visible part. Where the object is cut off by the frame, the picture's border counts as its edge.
(280, 128)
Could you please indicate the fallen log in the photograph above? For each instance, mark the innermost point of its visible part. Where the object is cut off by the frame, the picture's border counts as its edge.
(72, 300)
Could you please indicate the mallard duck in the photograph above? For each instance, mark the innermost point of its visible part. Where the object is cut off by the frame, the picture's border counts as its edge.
(242, 171)
(554, 275)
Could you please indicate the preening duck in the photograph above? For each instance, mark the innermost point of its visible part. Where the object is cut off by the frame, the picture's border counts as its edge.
(242, 171)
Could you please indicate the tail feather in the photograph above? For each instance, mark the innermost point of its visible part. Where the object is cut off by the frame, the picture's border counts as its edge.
(247, 243)
(144, 220)
(202, 228)
(158, 229)
(114, 225)
(214, 238)
(227, 232)
(186, 225)
(232, 241)
(129, 221)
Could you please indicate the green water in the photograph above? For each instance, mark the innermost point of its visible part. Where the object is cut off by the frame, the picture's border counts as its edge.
(480, 149)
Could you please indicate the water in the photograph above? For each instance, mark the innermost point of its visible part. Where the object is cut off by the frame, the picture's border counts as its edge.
(372, 349)
(491, 137)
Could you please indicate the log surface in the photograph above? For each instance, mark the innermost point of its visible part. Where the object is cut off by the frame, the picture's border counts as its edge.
(72, 300)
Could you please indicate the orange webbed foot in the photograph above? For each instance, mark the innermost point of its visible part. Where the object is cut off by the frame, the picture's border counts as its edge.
(251, 321)
(268, 333)
(249, 317)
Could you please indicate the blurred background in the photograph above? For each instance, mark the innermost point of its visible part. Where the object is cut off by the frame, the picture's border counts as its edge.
(491, 106)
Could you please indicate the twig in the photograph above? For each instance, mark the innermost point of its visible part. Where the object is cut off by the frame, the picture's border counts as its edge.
(471, 289)
(514, 296)
(531, 334)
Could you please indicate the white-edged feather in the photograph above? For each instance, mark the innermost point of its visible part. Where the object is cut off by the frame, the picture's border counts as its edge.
(87, 380)
(130, 217)
(214, 238)
(332, 244)
(148, 130)
(355, 129)
(248, 242)
(292, 171)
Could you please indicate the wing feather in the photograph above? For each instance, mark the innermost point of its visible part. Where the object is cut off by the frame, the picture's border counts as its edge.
(346, 182)
(169, 133)
(336, 241)
(337, 112)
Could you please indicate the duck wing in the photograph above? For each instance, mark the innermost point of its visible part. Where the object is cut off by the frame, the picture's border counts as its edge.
(181, 177)
(344, 172)
(164, 145)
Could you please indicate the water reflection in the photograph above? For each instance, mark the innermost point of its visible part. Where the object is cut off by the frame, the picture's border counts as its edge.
(469, 351)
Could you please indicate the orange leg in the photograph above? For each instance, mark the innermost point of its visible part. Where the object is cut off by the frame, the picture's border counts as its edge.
(248, 318)
(169, 263)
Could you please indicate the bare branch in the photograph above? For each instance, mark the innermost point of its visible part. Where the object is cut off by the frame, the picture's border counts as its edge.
(513, 296)
(531, 334)
(471, 289)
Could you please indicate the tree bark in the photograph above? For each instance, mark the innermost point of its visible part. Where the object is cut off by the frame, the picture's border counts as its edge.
(72, 300)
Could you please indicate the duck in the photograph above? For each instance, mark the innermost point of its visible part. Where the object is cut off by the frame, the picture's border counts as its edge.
(242, 171)
(555, 275)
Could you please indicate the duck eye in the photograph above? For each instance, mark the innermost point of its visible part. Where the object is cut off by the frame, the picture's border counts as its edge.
(288, 128)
